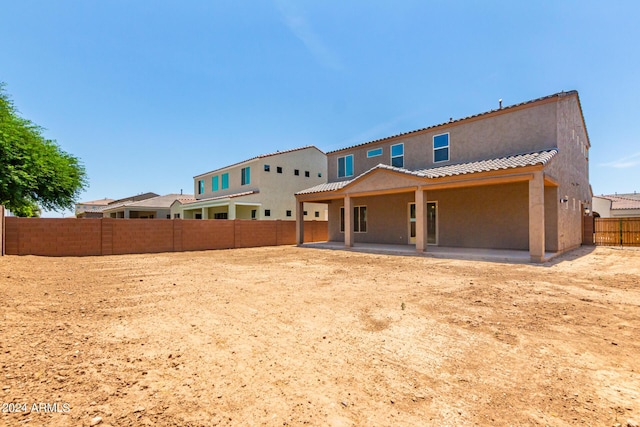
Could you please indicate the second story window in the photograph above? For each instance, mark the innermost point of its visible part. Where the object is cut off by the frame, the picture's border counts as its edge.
(296, 172)
(201, 186)
(345, 166)
(267, 168)
(441, 148)
(245, 177)
(215, 183)
(225, 181)
(279, 169)
(374, 152)
(397, 155)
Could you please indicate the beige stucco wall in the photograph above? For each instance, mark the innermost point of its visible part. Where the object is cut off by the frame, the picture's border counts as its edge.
(275, 191)
(518, 131)
(571, 169)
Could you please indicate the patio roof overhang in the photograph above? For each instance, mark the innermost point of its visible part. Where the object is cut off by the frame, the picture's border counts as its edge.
(384, 179)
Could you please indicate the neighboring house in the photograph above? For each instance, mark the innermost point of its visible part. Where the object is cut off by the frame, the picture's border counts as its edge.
(512, 178)
(158, 207)
(94, 209)
(617, 206)
(260, 188)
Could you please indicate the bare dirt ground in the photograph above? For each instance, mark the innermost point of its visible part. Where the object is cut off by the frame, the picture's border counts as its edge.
(295, 336)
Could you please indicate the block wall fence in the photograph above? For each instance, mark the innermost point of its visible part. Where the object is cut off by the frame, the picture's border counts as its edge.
(109, 236)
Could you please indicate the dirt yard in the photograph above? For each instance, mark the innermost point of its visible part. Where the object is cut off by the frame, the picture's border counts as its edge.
(292, 336)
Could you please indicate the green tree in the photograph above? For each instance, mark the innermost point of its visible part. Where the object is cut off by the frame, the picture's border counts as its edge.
(34, 171)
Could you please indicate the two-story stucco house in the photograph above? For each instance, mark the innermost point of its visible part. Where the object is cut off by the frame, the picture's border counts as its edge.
(512, 178)
(261, 188)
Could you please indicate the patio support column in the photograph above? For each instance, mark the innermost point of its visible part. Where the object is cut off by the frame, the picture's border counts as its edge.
(536, 217)
(348, 222)
(299, 222)
(421, 220)
(126, 213)
(205, 213)
(231, 211)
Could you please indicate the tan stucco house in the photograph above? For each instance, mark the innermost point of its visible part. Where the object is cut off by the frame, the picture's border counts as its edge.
(260, 188)
(512, 178)
(617, 205)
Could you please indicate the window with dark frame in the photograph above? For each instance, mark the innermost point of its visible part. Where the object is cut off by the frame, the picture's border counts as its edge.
(279, 169)
(267, 168)
(296, 172)
(288, 213)
(307, 174)
(267, 212)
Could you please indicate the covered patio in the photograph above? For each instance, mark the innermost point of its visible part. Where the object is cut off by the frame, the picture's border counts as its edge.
(507, 204)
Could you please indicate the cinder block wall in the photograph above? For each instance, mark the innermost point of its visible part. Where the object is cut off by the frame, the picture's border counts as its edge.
(108, 236)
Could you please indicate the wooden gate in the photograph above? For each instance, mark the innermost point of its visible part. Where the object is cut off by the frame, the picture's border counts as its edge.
(617, 231)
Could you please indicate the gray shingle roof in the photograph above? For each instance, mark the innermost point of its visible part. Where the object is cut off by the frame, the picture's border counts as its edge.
(508, 162)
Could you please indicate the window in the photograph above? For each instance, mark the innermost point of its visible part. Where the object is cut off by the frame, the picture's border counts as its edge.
(225, 181)
(220, 215)
(176, 216)
(267, 212)
(307, 174)
(288, 213)
(345, 166)
(375, 152)
(245, 176)
(201, 186)
(319, 174)
(267, 168)
(198, 216)
(441, 148)
(359, 219)
(254, 213)
(215, 183)
(168, 216)
(397, 155)
(279, 169)
(296, 172)
(304, 213)
(317, 214)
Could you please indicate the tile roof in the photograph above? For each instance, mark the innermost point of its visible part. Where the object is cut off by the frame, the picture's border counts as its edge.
(624, 201)
(508, 162)
(227, 196)
(163, 202)
(262, 156)
(507, 108)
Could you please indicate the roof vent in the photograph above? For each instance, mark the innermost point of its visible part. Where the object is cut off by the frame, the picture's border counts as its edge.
(450, 119)
(500, 104)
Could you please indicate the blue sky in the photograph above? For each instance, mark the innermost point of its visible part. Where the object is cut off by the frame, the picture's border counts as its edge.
(149, 93)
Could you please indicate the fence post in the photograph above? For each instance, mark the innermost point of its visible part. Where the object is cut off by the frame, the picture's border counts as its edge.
(2, 230)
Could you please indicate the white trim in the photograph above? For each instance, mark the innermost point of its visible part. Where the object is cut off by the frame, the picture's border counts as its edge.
(433, 148)
(391, 156)
(369, 155)
(345, 166)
